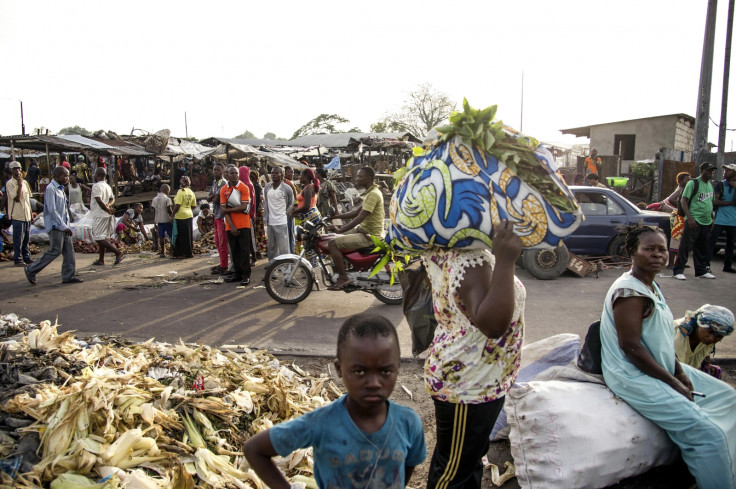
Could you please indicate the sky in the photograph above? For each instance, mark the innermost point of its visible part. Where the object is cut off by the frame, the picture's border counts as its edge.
(273, 66)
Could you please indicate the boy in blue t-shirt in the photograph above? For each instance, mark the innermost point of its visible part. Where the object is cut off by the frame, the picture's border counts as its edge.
(362, 439)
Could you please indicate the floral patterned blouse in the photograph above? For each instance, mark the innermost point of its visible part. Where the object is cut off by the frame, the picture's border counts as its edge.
(464, 366)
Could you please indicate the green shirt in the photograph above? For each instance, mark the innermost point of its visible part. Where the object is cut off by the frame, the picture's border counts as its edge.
(701, 205)
(373, 203)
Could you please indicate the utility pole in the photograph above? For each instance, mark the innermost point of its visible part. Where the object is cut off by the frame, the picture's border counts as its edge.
(186, 128)
(724, 97)
(702, 113)
(22, 123)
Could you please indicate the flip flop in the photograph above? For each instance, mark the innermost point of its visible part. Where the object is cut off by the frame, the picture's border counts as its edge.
(118, 260)
(98, 263)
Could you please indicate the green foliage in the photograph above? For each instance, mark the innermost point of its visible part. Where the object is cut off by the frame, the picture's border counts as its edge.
(322, 124)
(387, 126)
(397, 261)
(354, 129)
(476, 127)
(246, 135)
(642, 169)
(273, 137)
(75, 130)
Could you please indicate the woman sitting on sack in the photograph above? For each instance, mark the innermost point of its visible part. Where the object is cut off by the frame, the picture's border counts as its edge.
(640, 366)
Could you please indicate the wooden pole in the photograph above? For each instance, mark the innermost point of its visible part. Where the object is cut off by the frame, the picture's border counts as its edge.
(702, 112)
(724, 97)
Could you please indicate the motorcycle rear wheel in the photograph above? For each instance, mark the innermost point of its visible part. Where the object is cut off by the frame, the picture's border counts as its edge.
(288, 293)
(391, 295)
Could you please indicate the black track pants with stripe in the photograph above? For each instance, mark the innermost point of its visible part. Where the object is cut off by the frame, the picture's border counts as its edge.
(463, 432)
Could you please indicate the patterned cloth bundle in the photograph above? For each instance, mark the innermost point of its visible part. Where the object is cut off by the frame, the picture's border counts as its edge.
(457, 191)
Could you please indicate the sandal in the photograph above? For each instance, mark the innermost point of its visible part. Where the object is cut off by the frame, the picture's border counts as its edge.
(339, 287)
(118, 260)
(98, 263)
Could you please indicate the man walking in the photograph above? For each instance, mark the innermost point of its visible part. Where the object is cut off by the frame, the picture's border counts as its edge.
(725, 203)
(279, 200)
(56, 220)
(697, 202)
(220, 233)
(19, 210)
(103, 217)
(234, 205)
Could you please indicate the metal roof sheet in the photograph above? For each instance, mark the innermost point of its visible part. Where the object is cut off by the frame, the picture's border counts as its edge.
(342, 139)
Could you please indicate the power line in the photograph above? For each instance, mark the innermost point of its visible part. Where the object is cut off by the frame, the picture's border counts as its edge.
(714, 123)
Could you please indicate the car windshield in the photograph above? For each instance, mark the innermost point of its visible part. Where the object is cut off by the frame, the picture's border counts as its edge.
(588, 195)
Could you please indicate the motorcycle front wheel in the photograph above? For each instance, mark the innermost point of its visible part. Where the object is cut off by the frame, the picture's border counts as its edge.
(389, 294)
(286, 291)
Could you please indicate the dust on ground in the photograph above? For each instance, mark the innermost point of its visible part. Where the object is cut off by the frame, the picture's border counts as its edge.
(410, 379)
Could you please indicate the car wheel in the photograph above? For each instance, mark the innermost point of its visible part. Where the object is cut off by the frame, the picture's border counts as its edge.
(546, 264)
(616, 248)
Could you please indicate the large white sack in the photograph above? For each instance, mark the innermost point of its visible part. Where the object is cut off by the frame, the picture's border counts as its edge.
(536, 359)
(574, 434)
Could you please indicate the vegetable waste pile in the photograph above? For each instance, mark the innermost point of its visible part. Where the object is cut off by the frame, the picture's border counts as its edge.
(109, 413)
(84, 247)
(7, 253)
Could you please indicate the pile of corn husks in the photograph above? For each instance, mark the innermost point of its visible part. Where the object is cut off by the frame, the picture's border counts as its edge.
(111, 413)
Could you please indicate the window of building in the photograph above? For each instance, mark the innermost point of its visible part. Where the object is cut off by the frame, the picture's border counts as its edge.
(623, 144)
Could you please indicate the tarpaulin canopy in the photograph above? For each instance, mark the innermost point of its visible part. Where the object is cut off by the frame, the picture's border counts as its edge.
(181, 148)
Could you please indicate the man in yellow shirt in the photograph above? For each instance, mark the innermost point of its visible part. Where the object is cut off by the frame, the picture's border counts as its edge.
(367, 221)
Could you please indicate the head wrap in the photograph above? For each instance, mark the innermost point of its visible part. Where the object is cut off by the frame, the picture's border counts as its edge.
(244, 173)
(716, 318)
(310, 174)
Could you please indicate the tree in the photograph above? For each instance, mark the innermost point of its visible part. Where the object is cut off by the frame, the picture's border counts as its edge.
(386, 126)
(76, 130)
(269, 135)
(424, 109)
(355, 129)
(322, 124)
(246, 135)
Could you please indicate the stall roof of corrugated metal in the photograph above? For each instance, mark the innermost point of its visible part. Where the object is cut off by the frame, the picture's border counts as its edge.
(342, 139)
(213, 141)
(128, 147)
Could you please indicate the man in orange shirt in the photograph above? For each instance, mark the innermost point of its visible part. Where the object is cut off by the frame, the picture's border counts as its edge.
(593, 162)
(237, 224)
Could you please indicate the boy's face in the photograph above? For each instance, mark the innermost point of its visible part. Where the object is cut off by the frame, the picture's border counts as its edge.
(369, 368)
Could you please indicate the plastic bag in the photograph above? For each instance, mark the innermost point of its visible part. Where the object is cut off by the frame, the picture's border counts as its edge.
(418, 306)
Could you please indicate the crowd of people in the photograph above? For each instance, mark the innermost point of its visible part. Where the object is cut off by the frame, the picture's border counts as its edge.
(659, 365)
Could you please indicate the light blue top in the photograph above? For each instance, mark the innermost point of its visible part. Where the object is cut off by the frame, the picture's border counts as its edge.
(726, 215)
(55, 207)
(347, 457)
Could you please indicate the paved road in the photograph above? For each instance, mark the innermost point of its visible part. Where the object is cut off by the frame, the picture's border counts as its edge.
(131, 301)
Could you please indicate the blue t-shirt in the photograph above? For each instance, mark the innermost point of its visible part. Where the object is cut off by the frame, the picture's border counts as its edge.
(345, 456)
(726, 215)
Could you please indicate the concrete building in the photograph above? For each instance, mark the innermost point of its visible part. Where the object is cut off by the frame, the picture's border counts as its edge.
(639, 139)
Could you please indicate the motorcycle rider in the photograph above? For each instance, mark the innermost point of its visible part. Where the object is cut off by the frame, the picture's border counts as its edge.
(367, 221)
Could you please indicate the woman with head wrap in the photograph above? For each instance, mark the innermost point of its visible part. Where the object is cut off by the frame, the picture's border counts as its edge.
(244, 173)
(697, 333)
(677, 222)
(258, 226)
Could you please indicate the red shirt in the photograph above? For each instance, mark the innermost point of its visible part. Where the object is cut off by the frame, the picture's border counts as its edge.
(240, 220)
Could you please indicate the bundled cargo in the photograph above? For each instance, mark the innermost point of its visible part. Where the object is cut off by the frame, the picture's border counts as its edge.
(477, 174)
(109, 413)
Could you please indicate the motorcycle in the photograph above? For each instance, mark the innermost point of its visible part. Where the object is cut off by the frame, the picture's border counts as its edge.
(290, 278)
